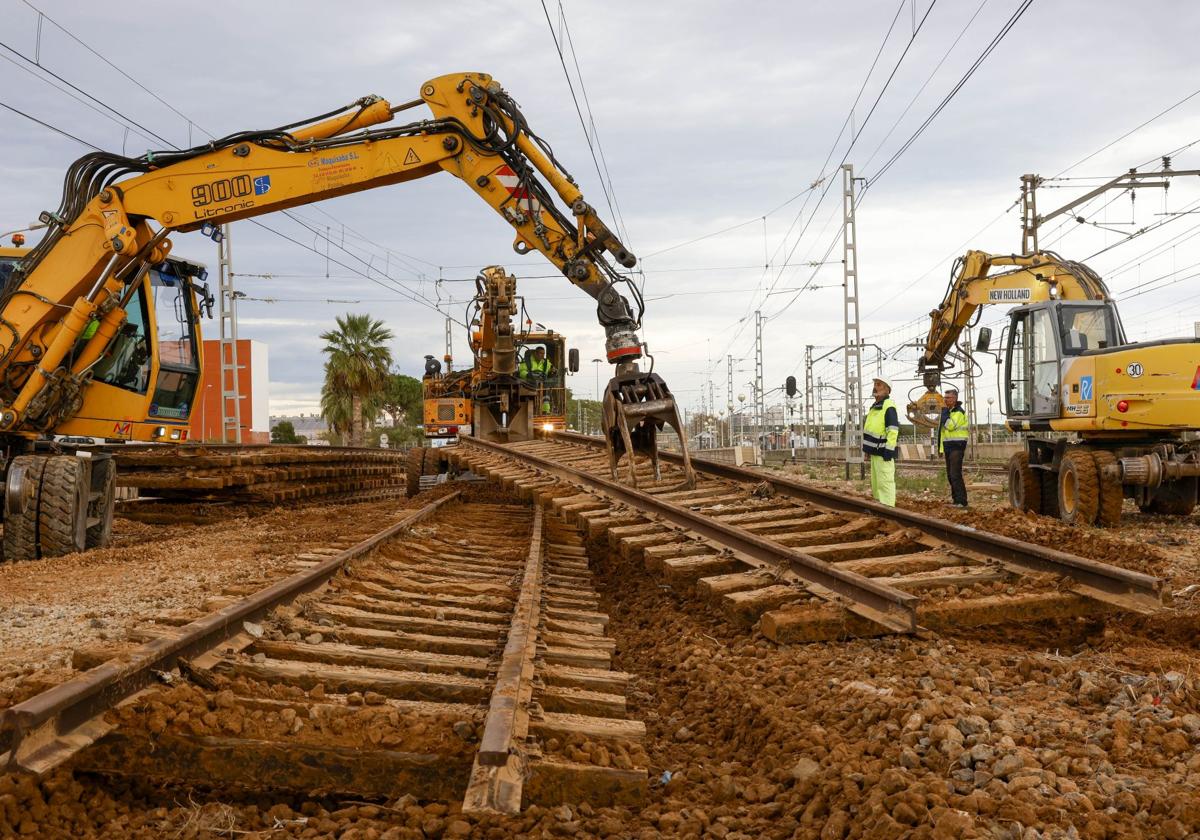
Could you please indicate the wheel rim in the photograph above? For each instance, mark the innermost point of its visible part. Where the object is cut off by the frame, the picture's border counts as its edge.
(1069, 491)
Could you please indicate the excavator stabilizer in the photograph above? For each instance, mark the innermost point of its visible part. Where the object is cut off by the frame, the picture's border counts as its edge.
(636, 407)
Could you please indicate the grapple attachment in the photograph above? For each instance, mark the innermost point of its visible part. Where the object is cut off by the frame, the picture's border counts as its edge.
(636, 407)
(926, 410)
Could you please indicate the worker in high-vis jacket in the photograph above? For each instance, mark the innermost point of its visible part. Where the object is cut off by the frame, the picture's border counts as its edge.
(880, 433)
(953, 431)
(536, 369)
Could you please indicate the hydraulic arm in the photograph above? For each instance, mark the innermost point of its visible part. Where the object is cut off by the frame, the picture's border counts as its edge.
(1029, 279)
(102, 236)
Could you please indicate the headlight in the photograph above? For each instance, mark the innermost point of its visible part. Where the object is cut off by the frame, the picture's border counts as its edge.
(547, 427)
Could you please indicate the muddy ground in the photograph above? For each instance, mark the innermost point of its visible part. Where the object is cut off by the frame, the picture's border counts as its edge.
(1083, 728)
(54, 606)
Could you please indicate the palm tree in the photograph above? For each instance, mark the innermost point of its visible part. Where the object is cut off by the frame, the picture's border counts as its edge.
(356, 367)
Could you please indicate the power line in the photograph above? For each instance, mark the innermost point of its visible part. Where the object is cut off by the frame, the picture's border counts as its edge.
(394, 288)
(929, 79)
(1135, 130)
(582, 123)
(191, 122)
(94, 52)
(53, 128)
(83, 92)
(823, 178)
(1004, 30)
(592, 122)
(74, 96)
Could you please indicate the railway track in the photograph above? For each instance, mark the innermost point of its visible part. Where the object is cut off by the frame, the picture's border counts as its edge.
(969, 468)
(457, 654)
(800, 562)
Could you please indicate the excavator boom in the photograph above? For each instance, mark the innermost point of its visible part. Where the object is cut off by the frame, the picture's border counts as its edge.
(1032, 278)
(101, 236)
(1118, 411)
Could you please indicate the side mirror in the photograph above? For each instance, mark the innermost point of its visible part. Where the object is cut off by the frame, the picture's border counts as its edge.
(984, 343)
(789, 386)
(573, 360)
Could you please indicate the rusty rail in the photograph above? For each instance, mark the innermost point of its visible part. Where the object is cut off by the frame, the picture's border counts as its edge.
(1120, 587)
(43, 731)
(497, 778)
(875, 601)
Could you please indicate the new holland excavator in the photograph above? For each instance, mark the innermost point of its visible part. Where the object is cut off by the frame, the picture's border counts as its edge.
(81, 295)
(1127, 407)
(492, 400)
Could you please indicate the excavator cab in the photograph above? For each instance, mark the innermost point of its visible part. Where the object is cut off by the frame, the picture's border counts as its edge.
(149, 375)
(1042, 341)
(542, 366)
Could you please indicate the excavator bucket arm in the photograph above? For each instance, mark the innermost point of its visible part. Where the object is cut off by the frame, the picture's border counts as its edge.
(100, 235)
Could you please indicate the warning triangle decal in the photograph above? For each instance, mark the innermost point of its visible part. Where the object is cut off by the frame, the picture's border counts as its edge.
(411, 158)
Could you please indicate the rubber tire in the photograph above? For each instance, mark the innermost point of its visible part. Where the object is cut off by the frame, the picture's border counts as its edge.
(1078, 488)
(20, 530)
(104, 473)
(62, 507)
(413, 470)
(1024, 487)
(1049, 483)
(1112, 494)
(1175, 499)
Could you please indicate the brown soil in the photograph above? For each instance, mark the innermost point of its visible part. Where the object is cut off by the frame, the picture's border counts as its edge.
(1077, 729)
(152, 569)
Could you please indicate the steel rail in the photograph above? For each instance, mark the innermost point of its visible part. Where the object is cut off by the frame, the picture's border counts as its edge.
(871, 599)
(497, 778)
(38, 734)
(1120, 587)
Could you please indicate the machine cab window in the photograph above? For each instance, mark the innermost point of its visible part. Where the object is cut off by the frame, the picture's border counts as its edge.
(1032, 371)
(541, 365)
(1085, 328)
(7, 266)
(126, 362)
(175, 321)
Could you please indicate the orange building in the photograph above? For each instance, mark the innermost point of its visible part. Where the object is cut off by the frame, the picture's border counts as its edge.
(253, 388)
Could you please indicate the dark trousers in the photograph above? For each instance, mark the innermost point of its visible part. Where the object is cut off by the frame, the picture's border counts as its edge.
(954, 465)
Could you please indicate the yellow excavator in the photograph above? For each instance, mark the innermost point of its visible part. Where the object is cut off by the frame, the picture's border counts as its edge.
(1125, 408)
(80, 295)
(507, 394)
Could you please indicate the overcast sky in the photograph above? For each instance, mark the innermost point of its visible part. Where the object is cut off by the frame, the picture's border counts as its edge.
(709, 114)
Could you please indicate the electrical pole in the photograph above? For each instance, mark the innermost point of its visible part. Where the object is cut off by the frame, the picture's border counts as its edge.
(969, 384)
(820, 411)
(231, 400)
(852, 349)
(729, 393)
(449, 346)
(1131, 180)
(808, 399)
(758, 379)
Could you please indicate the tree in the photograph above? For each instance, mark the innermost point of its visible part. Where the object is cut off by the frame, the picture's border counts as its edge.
(356, 371)
(402, 399)
(285, 432)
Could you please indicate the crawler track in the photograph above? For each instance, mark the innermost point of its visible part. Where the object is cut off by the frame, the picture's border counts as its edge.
(458, 654)
(804, 563)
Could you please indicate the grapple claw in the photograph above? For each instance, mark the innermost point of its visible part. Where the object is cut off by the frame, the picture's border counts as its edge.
(636, 406)
(925, 411)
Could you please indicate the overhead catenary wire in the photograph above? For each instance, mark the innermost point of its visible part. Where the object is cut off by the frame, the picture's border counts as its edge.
(399, 290)
(582, 122)
(995, 42)
(824, 178)
(143, 130)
